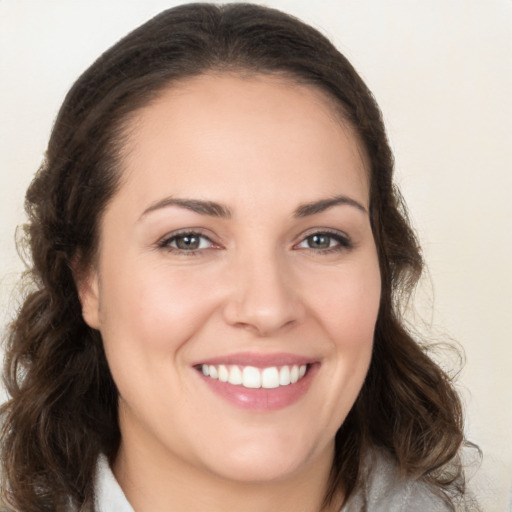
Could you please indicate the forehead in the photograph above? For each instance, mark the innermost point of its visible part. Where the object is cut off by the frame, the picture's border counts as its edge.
(261, 130)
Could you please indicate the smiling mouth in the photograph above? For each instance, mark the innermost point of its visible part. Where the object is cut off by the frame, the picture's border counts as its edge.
(251, 377)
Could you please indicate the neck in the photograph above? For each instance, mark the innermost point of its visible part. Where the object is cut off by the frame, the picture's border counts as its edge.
(160, 484)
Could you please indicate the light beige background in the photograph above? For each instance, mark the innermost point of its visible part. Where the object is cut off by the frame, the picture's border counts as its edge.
(441, 71)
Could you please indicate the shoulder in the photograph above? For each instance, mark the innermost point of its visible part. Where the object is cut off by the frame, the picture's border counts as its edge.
(385, 490)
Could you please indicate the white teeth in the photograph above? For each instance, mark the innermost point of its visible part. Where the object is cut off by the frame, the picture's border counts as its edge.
(294, 374)
(223, 373)
(284, 376)
(251, 377)
(270, 378)
(235, 376)
(254, 378)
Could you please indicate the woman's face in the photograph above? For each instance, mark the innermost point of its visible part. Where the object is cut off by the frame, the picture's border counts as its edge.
(237, 283)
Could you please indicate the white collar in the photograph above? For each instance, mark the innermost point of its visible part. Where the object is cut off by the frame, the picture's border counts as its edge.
(109, 496)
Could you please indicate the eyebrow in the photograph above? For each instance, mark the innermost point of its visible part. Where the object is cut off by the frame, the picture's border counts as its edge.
(214, 209)
(324, 204)
(210, 208)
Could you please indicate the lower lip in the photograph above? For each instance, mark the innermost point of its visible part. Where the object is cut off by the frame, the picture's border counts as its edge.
(262, 399)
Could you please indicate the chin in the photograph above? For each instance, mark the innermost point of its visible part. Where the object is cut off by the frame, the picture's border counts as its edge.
(258, 470)
(265, 462)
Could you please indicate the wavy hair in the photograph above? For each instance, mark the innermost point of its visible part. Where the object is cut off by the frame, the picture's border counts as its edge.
(62, 410)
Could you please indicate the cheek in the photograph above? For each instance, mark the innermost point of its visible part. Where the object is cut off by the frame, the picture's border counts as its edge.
(155, 307)
(347, 304)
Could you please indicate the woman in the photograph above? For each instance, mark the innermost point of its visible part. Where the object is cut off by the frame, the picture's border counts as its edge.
(219, 258)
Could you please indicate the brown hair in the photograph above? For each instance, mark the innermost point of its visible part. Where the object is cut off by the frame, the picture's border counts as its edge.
(63, 407)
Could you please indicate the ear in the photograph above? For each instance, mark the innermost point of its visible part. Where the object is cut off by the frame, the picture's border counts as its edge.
(88, 293)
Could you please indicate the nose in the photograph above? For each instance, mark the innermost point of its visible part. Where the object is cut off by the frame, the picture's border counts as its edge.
(264, 295)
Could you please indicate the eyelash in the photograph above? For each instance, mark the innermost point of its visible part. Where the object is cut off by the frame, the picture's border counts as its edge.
(343, 242)
(165, 243)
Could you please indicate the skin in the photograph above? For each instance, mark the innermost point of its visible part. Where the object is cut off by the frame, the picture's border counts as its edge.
(261, 147)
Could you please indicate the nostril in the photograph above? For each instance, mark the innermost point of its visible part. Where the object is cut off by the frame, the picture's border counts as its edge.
(262, 317)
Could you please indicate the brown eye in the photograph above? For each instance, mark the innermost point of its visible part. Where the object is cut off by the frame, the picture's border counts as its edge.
(325, 241)
(319, 241)
(187, 242)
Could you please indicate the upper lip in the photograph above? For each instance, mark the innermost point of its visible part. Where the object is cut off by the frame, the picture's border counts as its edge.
(257, 360)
